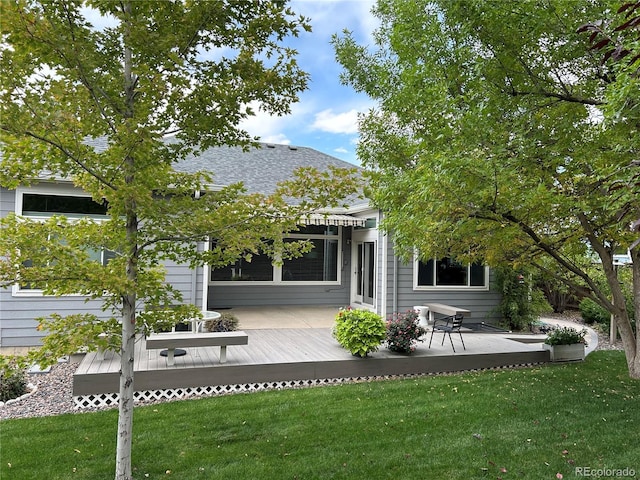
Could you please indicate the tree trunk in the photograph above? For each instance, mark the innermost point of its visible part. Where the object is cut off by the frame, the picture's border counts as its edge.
(633, 359)
(617, 304)
(623, 322)
(127, 356)
(125, 406)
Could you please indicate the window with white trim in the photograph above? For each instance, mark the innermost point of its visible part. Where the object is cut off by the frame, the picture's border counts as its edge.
(448, 273)
(48, 201)
(319, 266)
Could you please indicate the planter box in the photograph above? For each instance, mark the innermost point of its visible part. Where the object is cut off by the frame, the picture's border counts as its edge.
(566, 353)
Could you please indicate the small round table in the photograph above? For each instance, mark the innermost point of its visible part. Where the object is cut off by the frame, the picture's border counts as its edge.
(196, 325)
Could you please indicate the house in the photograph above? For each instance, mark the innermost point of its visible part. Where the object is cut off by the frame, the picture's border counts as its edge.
(353, 262)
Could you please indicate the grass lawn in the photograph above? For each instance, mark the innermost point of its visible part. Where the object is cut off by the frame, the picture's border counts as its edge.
(526, 423)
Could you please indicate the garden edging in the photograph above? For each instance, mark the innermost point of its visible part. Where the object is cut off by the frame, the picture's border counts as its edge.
(31, 390)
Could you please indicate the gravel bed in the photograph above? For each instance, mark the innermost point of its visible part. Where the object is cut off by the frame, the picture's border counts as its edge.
(53, 395)
(54, 389)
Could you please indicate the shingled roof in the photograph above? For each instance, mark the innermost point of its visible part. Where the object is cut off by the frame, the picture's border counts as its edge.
(260, 169)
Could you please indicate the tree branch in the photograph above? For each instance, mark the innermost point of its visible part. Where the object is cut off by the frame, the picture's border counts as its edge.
(564, 97)
(552, 252)
(82, 74)
(71, 157)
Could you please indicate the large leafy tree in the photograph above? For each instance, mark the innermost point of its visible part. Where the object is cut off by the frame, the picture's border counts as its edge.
(94, 105)
(494, 139)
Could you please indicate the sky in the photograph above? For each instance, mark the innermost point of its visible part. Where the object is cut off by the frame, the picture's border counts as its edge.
(325, 118)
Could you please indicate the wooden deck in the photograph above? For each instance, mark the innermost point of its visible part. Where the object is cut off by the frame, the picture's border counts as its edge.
(299, 354)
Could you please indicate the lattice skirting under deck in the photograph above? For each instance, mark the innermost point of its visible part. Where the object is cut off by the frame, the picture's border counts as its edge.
(105, 400)
(150, 396)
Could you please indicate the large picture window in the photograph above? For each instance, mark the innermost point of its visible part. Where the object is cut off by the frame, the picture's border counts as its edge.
(449, 273)
(320, 265)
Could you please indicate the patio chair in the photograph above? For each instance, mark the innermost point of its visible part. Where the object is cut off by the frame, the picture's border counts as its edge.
(452, 324)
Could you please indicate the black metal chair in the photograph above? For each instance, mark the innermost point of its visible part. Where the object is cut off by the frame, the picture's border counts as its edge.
(452, 324)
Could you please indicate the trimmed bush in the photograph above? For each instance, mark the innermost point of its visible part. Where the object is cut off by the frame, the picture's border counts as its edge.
(13, 380)
(359, 331)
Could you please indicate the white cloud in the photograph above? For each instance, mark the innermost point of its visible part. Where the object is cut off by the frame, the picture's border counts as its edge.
(341, 150)
(268, 127)
(332, 16)
(278, 138)
(329, 121)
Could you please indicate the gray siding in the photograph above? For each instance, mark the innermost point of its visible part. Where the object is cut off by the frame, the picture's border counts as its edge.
(181, 277)
(310, 295)
(482, 304)
(18, 314)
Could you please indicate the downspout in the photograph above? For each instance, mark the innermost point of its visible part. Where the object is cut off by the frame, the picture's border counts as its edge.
(194, 285)
(395, 282)
(205, 279)
(205, 274)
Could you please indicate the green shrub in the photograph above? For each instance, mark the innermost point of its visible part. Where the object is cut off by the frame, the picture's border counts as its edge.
(13, 380)
(522, 303)
(227, 322)
(403, 332)
(359, 331)
(593, 313)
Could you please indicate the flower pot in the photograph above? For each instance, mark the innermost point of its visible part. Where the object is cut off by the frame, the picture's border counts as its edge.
(566, 353)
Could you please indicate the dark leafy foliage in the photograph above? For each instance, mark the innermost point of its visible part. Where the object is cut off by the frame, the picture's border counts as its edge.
(13, 381)
(227, 322)
(403, 332)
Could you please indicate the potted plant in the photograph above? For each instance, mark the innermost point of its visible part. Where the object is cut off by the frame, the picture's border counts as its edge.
(566, 344)
(226, 322)
(403, 332)
(359, 331)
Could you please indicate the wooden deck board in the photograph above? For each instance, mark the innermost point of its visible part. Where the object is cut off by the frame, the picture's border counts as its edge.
(299, 354)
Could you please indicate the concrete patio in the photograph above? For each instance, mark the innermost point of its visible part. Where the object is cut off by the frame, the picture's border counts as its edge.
(252, 318)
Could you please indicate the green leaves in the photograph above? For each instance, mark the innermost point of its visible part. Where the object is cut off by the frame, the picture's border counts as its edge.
(487, 134)
(92, 105)
(499, 137)
(359, 331)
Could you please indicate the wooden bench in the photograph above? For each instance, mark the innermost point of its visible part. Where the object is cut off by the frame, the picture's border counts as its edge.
(171, 341)
(446, 310)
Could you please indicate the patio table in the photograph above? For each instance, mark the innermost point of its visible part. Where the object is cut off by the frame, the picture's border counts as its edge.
(197, 325)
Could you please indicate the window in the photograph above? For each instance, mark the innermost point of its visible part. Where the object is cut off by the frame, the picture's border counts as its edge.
(58, 200)
(449, 273)
(259, 269)
(46, 205)
(320, 265)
